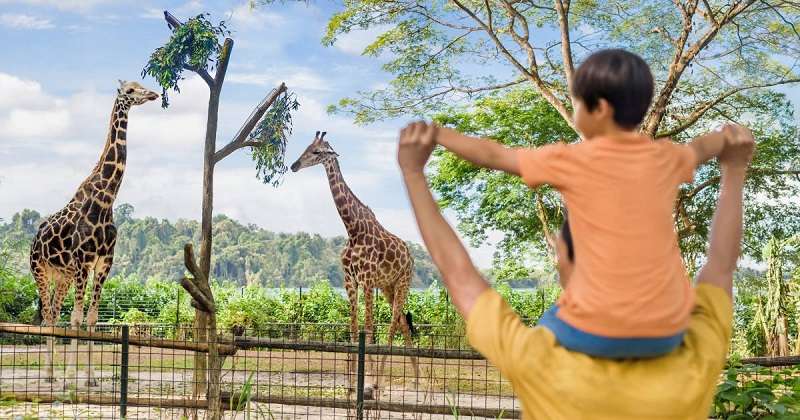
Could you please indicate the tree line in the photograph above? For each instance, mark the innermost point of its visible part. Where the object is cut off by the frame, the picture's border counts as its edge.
(245, 254)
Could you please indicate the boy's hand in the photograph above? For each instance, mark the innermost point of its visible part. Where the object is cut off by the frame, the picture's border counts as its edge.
(417, 141)
(739, 147)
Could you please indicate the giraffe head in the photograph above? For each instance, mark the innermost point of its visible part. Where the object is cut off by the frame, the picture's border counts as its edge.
(135, 93)
(317, 152)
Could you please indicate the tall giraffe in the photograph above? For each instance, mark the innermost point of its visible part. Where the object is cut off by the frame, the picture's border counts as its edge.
(373, 257)
(80, 238)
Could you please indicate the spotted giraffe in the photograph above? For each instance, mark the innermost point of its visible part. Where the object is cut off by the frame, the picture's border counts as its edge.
(373, 257)
(80, 238)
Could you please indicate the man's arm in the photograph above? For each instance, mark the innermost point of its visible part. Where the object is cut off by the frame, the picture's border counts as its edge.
(480, 152)
(726, 227)
(462, 280)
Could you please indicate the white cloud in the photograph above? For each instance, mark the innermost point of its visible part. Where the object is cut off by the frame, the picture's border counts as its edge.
(354, 42)
(296, 78)
(21, 21)
(246, 16)
(152, 13)
(66, 5)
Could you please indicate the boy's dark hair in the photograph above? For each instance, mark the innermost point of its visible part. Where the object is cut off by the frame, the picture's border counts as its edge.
(621, 78)
(566, 234)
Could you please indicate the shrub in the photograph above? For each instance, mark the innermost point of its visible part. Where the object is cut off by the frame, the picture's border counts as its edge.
(756, 392)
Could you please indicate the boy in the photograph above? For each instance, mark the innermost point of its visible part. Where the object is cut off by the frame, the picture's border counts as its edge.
(629, 295)
(553, 383)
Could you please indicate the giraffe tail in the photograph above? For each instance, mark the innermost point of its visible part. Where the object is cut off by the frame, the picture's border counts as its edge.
(38, 319)
(411, 327)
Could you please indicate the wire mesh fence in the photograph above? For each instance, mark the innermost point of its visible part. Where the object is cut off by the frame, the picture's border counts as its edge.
(283, 371)
(311, 371)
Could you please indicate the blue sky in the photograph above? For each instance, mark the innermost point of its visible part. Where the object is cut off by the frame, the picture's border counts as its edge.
(62, 59)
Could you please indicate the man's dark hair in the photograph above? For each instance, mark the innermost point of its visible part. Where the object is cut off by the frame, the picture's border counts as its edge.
(566, 234)
(621, 78)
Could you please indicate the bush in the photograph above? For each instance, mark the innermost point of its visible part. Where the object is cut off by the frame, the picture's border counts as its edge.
(756, 392)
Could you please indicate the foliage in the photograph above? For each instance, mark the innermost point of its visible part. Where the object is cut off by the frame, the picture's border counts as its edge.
(474, 54)
(244, 254)
(490, 201)
(194, 45)
(272, 132)
(440, 52)
(755, 392)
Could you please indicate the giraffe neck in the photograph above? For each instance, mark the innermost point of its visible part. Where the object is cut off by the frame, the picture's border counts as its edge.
(106, 177)
(350, 208)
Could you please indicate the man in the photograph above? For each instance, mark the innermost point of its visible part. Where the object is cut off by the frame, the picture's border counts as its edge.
(554, 383)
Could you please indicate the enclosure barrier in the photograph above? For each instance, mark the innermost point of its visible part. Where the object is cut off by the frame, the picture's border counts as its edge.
(229, 346)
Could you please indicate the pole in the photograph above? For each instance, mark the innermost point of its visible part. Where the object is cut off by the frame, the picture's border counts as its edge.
(177, 314)
(123, 376)
(360, 384)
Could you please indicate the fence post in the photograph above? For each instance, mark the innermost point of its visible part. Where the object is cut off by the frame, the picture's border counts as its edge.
(123, 376)
(360, 377)
(177, 314)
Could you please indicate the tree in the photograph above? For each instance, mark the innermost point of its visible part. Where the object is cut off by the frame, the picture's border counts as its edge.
(712, 60)
(195, 46)
(775, 310)
(486, 200)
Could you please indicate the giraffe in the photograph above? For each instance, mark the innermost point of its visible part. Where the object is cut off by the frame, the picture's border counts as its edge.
(373, 257)
(80, 238)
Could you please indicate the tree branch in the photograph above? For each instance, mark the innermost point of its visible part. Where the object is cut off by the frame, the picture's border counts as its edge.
(562, 7)
(682, 59)
(173, 23)
(222, 64)
(203, 303)
(705, 106)
(532, 73)
(240, 140)
(684, 197)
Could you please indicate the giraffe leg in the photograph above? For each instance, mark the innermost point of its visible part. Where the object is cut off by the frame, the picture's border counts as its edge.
(389, 294)
(62, 284)
(40, 275)
(400, 319)
(101, 273)
(81, 277)
(369, 330)
(352, 297)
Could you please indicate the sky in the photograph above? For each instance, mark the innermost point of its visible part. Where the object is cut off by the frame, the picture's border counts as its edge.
(58, 78)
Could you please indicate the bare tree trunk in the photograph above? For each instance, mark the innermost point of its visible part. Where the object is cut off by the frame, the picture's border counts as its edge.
(201, 318)
(783, 337)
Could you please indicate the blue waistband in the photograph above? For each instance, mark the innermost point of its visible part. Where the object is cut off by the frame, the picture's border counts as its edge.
(574, 339)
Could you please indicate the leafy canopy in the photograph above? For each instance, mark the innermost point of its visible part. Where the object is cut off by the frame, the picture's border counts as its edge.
(272, 132)
(486, 200)
(194, 45)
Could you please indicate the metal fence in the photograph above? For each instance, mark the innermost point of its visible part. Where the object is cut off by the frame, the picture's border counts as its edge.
(293, 371)
(284, 371)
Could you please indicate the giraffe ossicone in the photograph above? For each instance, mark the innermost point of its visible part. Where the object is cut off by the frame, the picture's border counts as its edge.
(79, 239)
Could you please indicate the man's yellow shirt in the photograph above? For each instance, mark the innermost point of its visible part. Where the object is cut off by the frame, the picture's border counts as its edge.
(554, 383)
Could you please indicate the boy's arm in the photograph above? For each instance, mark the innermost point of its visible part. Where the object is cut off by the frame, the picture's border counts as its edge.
(711, 145)
(480, 152)
(460, 276)
(726, 227)
(708, 146)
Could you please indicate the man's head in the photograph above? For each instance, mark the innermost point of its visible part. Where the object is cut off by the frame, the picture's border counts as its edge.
(612, 89)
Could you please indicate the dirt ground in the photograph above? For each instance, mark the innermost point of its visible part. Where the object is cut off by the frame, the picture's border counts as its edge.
(167, 374)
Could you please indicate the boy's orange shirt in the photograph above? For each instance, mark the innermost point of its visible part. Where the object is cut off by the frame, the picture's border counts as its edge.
(629, 279)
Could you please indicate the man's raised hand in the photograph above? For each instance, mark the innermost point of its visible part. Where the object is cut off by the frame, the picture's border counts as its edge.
(417, 141)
